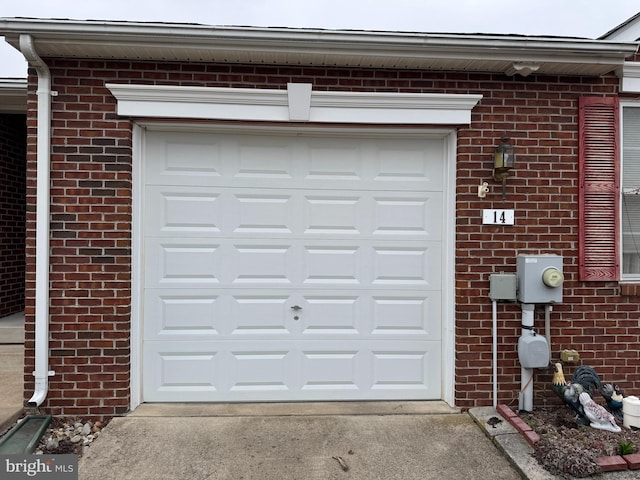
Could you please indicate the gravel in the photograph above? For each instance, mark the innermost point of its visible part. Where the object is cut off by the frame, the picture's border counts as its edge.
(69, 435)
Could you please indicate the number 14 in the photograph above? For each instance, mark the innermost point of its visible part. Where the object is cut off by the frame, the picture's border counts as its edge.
(498, 217)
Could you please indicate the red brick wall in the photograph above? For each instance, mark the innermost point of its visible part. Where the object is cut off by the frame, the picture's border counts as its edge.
(13, 134)
(91, 215)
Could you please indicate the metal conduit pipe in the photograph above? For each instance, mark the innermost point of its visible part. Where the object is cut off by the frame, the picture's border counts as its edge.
(494, 349)
(526, 374)
(547, 324)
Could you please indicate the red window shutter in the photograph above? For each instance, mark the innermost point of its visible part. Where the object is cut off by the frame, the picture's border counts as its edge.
(599, 189)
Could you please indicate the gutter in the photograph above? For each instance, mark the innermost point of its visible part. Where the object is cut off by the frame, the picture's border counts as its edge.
(69, 33)
(43, 161)
(348, 48)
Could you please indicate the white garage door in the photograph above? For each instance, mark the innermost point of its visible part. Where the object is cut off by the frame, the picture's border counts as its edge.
(285, 267)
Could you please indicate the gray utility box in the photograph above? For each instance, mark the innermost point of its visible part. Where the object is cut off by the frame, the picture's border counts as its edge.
(540, 278)
(503, 286)
(533, 351)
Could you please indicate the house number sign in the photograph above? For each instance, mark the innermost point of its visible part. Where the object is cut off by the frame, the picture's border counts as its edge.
(498, 217)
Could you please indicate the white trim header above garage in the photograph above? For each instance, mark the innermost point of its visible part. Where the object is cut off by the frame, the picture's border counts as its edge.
(299, 103)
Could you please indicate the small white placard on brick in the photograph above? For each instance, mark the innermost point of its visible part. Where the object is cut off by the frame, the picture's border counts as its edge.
(498, 217)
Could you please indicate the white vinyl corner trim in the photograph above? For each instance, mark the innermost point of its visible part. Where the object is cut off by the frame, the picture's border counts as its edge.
(270, 105)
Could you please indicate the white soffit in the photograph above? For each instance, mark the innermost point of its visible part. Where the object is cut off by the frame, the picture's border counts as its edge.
(13, 95)
(270, 105)
(630, 77)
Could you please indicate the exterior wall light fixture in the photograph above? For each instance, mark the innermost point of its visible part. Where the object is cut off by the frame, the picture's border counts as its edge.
(503, 161)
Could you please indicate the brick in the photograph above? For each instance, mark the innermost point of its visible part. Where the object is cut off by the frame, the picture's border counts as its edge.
(520, 424)
(505, 411)
(633, 461)
(12, 215)
(543, 191)
(531, 437)
(612, 463)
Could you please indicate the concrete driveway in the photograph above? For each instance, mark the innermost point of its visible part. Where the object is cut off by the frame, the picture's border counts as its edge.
(11, 369)
(150, 444)
(11, 381)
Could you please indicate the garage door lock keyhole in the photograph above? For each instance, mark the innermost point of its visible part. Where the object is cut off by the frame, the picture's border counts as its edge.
(296, 308)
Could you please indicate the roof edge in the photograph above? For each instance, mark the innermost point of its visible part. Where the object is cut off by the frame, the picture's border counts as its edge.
(626, 31)
(106, 39)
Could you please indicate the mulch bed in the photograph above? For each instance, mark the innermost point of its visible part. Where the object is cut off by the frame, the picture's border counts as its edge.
(569, 449)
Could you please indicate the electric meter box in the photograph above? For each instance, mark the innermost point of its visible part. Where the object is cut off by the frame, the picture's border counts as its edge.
(540, 278)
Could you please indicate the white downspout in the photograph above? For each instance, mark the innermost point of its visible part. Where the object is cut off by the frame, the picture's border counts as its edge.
(43, 160)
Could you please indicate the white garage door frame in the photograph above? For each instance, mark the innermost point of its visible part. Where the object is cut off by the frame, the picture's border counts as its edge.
(331, 115)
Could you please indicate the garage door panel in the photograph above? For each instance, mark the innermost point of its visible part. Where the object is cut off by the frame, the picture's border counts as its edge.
(329, 264)
(405, 368)
(260, 315)
(257, 370)
(179, 370)
(194, 158)
(291, 370)
(333, 314)
(251, 154)
(239, 229)
(262, 263)
(194, 314)
(174, 209)
(331, 370)
(196, 262)
(202, 211)
(182, 262)
(407, 264)
(184, 155)
(190, 314)
(408, 214)
(410, 162)
(266, 161)
(405, 315)
(209, 211)
(333, 214)
(371, 314)
(341, 160)
(262, 214)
